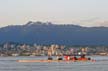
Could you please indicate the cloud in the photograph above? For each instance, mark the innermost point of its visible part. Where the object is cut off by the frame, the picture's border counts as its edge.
(92, 22)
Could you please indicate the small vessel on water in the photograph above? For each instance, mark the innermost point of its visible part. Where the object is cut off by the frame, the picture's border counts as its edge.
(26, 61)
(59, 59)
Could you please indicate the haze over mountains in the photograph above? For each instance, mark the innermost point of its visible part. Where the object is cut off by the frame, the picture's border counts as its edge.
(48, 33)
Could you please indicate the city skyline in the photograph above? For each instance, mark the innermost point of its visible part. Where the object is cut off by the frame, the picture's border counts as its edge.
(78, 12)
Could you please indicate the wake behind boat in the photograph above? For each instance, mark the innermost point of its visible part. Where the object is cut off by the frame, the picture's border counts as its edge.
(40, 60)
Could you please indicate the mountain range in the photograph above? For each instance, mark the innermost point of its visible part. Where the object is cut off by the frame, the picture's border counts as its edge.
(48, 33)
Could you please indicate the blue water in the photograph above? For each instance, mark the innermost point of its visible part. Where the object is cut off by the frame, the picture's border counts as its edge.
(10, 64)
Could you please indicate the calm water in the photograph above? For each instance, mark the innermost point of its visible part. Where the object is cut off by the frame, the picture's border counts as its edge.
(10, 64)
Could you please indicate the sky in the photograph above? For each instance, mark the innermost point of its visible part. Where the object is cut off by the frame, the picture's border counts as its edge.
(79, 12)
